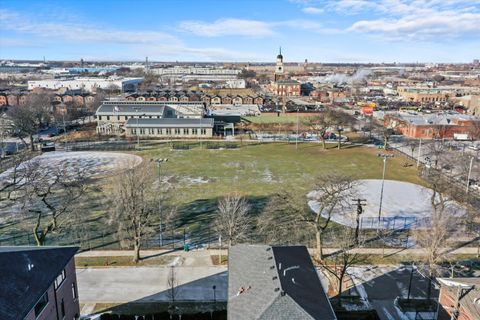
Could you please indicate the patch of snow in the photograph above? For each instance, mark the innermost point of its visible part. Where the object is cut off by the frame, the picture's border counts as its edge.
(404, 205)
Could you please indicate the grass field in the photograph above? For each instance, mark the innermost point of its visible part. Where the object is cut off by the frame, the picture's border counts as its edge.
(273, 118)
(258, 170)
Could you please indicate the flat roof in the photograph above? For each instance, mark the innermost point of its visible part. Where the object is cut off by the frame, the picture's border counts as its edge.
(169, 123)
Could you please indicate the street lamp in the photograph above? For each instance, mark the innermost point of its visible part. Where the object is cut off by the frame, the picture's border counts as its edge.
(410, 281)
(385, 156)
(469, 173)
(159, 162)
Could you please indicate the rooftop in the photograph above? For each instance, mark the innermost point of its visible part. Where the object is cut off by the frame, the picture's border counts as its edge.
(267, 282)
(169, 122)
(26, 273)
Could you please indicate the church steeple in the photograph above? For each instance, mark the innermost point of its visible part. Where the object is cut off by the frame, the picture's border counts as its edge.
(279, 70)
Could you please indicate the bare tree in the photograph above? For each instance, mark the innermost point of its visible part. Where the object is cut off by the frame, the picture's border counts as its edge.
(319, 124)
(134, 205)
(50, 196)
(28, 119)
(338, 263)
(172, 291)
(333, 192)
(233, 221)
(281, 221)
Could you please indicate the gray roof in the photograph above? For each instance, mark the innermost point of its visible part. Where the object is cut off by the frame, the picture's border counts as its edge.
(277, 283)
(169, 123)
(26, 273)
(109, 108)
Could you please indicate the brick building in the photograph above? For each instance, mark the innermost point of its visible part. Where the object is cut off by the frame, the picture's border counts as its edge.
(38, 283)
(459, 299)
(433, 126)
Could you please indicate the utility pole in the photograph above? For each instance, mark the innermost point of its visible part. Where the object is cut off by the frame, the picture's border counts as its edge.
(385, 156)
(410, 281)
(159, 162)
(296, 140)
(64, 131)
(469, 173)
(360, 203)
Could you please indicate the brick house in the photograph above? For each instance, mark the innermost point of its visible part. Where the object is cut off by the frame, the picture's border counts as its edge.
(78, 100)
(286, 88)
(258, 100)
(216, 100)
(67, 99)
(248, 100)
(206, 99)
(162, 98)
(38, 283)
(22, 100)
(151, 98)
(3, 100)
(237, 100)
(433, 126)
(12, 99)
(459, 299)
(227, 100)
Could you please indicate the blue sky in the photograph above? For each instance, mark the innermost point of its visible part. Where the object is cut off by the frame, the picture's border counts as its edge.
(248, 30)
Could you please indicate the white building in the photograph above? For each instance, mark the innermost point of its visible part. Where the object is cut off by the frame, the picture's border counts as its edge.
(192, 70)
(87, 84)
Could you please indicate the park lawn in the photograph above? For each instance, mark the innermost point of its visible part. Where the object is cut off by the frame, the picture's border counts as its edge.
(259, 170)
(271, 119)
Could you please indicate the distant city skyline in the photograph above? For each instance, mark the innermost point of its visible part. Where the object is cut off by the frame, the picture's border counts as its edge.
(347, 31)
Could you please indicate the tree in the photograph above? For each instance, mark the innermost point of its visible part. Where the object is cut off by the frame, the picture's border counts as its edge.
(333, 193)
(340, 121)
(281, 221)
(319, 124)
(345, 258)
(28, 119)
(172, 291)
(233, 221)
(133, 205)
(50, 196)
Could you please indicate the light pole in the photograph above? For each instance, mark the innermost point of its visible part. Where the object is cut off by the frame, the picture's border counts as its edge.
(469, 173)
(339, 130)
(410, 281)
(159, 162)
(419, 152)
(64, 131)
(385, 156)
(296, 140)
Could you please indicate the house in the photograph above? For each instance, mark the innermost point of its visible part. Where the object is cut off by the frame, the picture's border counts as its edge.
(274, 282)
(459, 299)
(216, 100)
(227, 100)
(237, 100)
(3, 100)
(38, 283)
(22, 100)
(207, 100)
(12, 99)
(248, 100)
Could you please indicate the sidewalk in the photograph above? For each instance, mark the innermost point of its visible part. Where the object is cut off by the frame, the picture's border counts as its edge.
(210, 252)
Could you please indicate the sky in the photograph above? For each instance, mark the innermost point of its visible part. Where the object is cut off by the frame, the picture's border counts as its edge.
(242, 30)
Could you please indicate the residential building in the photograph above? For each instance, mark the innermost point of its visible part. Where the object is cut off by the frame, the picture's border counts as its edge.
(87, 84)
(38, 283)
(274, 282)
(3, 100)
(169, 127)
(433, 126)
(112, 115)
(459, 299)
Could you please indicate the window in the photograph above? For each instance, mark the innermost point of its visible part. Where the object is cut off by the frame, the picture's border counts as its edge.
(60, 278)
(74, 291)
(194, 131)
(204, 131)
(108, 118)
(118, 118)
(99, 117)
(169, 131)
(62, 309)
(41, 304)
(177, 131)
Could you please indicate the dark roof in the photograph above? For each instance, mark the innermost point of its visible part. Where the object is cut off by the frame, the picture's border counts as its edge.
(26, 273)
(277, 283)
(169, 122)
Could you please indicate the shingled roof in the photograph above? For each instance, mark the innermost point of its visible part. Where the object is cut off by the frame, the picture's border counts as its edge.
(26, 273)
(267, 282)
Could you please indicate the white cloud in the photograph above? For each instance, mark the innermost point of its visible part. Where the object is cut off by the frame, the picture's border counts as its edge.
(413, 19)
(78, 32)
(313, 10)
(227, 27)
